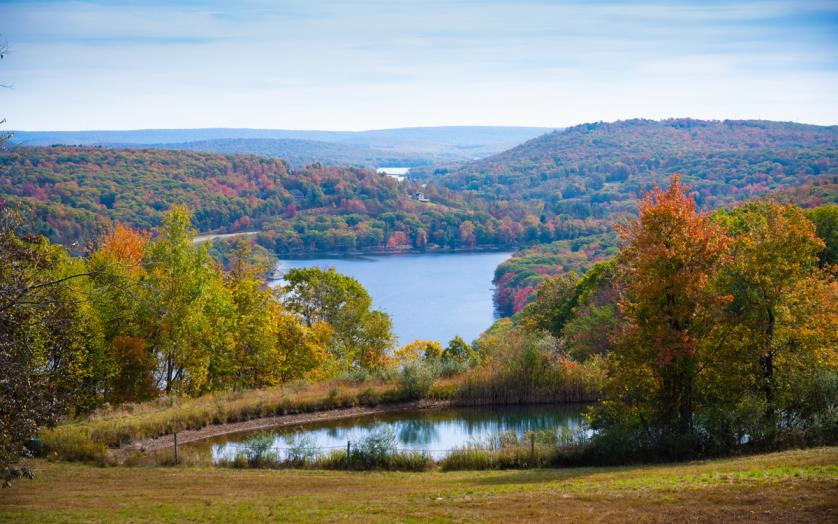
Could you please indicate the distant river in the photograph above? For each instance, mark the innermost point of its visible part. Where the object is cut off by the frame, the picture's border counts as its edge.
(428, 296)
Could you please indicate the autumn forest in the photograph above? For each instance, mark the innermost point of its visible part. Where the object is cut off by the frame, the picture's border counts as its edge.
(696, 308)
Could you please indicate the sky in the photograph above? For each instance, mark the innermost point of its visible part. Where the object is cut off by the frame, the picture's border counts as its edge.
(369, 64)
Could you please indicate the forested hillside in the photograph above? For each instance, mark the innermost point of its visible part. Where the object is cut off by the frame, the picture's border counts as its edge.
(820, 191)
(601, 168)
(71, 194)
(517, 279)
(558, 187)
(73, 191)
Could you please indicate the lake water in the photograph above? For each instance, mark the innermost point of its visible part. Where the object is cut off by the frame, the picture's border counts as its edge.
(428, 296)
(434, 432)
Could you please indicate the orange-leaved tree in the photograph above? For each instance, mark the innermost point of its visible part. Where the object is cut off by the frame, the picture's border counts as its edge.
(669, 256)
(116, 268)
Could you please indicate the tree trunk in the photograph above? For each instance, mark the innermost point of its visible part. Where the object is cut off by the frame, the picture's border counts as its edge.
(685, 417)
(769, 386)
(169, 373)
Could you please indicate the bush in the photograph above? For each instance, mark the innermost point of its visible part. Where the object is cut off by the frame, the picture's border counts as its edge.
(258, 449)
(376, 445)
(377, 451)
(416, 379)
(356, 376)
(301, 451)
(450, 368)
(523, 370)
(624, 433)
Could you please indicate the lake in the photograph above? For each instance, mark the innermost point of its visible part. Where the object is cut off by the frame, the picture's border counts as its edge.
(435, 431)
(428, 296)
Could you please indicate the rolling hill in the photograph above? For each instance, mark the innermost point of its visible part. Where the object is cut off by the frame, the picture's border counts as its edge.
(561, 186)
(72, 193)
(598, 169)
(404, 146)
(299, 152)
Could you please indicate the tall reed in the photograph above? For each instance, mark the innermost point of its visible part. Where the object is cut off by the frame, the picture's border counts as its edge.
(88, 438)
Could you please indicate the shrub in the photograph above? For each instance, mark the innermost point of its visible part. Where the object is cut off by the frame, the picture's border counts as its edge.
(301, 451)
(375, 447)
(259, 449)
(356, 376)
(521, 370)
(378, 451)
(446, 368)
(416, 379)
(369, 397)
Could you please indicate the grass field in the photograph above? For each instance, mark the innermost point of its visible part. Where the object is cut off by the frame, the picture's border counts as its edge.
(792, 486)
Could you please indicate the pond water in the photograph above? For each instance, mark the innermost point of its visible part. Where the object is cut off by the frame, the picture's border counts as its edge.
(428, 296)
(434, 432)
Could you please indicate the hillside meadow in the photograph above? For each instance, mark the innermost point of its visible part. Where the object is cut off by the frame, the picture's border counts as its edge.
(792, 486)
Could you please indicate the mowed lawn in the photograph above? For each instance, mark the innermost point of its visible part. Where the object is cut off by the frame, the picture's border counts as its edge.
(793, 486)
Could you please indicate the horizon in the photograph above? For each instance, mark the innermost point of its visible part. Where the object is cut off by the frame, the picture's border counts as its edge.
(368, 130)
(370, 65)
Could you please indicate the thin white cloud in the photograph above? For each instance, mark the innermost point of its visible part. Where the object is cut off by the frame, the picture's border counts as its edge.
(363, 64)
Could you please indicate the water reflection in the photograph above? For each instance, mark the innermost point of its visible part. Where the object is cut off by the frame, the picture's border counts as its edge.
(432, 431)
(417, 432)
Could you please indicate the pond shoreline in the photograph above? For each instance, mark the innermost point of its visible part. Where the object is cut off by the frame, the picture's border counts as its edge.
(154, 444)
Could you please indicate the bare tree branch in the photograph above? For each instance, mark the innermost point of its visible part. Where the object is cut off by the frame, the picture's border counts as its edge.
(40, 285)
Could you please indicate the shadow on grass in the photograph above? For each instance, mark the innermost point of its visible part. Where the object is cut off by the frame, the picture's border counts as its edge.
(561, 474)
(536, 476)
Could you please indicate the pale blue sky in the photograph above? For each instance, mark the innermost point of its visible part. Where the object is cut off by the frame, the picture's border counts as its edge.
(363, 64)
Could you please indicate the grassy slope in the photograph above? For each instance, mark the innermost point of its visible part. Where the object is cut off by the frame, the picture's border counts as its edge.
(85, 439)
(794, 486)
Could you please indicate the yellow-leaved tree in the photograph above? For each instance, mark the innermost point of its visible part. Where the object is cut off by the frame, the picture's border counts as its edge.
(781, 322)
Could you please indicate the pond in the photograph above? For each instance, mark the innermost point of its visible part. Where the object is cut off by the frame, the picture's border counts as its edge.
(428, 296)
(434, 432)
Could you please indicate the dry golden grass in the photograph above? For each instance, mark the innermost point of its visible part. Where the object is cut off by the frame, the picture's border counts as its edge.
(87, 439)
(792, 486)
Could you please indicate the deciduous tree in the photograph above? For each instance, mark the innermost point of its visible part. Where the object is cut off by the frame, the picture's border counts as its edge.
(777, 291)
(669, 257)
(361, 336)
(51, 347)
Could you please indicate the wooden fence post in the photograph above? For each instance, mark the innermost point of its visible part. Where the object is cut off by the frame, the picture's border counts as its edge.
(177, 461)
